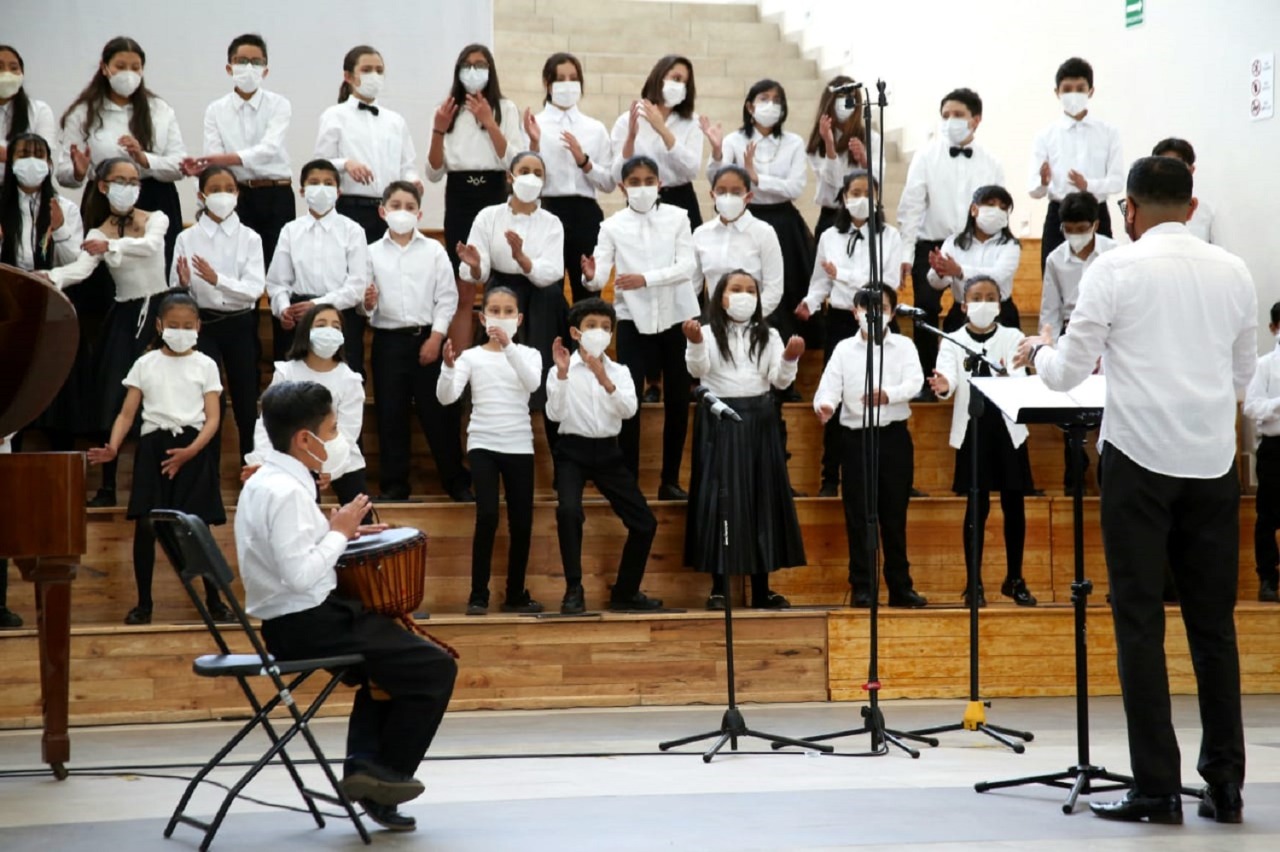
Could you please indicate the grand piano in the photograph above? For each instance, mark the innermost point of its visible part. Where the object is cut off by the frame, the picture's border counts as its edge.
(42, 514)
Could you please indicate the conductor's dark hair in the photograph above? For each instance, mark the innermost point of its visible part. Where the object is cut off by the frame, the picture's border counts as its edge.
(865, 296)
(291, 407)
(760, 87)
(248, 39)
(1179, 148)
(968, 97)
(300, 348)
(1074, 67)
(1275, 314)
(732, 169)
(652, 90)
(1160, 181)
(639, 161)
(595, 306)
(319, 165)
(1079, 207)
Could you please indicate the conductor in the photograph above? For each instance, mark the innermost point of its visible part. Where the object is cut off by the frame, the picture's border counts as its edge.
(1174, 320)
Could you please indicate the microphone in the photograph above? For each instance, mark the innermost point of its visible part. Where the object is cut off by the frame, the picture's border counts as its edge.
(717, 408)
(909, 311)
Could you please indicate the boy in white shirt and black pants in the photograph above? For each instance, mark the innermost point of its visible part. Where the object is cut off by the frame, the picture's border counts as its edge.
(1262, 406)
(590, 396)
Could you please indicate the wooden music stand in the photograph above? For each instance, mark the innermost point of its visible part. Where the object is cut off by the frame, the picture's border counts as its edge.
(42, 510)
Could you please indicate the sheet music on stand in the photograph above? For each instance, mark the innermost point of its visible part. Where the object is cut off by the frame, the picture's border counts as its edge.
(1026, 399)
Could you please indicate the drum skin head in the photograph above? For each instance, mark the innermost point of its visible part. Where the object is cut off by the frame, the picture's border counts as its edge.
(39, 333)
(380, 541)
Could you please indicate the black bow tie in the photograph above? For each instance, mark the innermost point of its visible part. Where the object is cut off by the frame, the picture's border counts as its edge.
(956, 150)
(123, 222)
(373, 109)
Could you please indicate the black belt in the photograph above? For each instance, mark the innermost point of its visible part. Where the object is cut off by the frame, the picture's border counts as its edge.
(211, 316)
(361, 200)
(476, 178)
(295, 298)
(263, 183)
(407, 331)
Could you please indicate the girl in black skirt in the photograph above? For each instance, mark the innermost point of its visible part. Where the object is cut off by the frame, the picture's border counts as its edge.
(174, 467)
(474, 135)
(986, 247)
(740, 361)
(116, 115)
(836, 147)
(123, 254)
(1004, 464)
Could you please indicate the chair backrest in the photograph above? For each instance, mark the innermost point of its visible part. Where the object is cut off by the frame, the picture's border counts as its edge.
(187, 542)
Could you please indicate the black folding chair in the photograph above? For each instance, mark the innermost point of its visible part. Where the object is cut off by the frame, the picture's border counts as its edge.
(190, 547)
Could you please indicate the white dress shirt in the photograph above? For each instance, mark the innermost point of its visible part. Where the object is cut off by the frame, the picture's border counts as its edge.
(1089, 146)
(382, 142)
(939, 189)
(347, 389)
(853, 271)
(543, 235)
(1000, 349)
(1201, 223)
(284, 547)
(659, 246)
(501, 384)
(40, 121)
(745, 243)
(415, 284)
(1262, 399)
(564, 178)
(173, 389)
(583, 407)
(255, 129)
(1062, 273)
(1175, 322)
(844, 379)
(163, 163)
(327, 258)
(744, 376)
(235, 253)
(997, 257)
(66, 240)
(779, 163)
(136, 263)
(468, 148)
(676, 166)
(830, 171)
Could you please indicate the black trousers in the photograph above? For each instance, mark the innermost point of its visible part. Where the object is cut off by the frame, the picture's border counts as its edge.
(516, 473)
(841, 325)
(1149, 520)
(266, 210)
(231, 340)
(897, 468)
(637, 352)
(1051, 237)
(400, 386)
(581, 460)
(1265, 552)
(363, 210)
(928, 300)
(417, 674)
(1014, 506)
(581, 218)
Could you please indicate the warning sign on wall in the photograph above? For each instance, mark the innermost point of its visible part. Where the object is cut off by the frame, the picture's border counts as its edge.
(1262, 83)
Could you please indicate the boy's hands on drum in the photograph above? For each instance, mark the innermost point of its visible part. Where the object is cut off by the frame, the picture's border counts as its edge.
(346, 519)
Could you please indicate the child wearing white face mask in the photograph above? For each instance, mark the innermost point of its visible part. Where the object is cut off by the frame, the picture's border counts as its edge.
(741, 360)
(19, 112)
(177, 389)
(316, 356)
(986, 247)
(1004, 464)
(836, 146)
(219, 262)
(39, 230)
(502, 375)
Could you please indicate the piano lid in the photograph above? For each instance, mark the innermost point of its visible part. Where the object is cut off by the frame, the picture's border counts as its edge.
(39, 334)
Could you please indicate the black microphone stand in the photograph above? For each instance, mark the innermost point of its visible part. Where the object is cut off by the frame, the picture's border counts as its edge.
(732, 724)
(882, 736)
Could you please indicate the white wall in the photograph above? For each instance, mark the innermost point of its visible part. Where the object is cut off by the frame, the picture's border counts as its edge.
(1183, 72)
(186, 44)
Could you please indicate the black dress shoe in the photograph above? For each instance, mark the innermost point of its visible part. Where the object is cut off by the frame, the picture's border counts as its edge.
(861, 600)
(715, 603)
(381, 785)
(829, 489)
(220, 612)
(671, 491)
(387, 816)
(772, 600)
(1135, 807)
(9, 618)
(982, 597)
(478, 605)
(639, 602)
(1222, 803)
(104, 499)
(907, 599)
(574, 601)
(138, 615)
(1017, 589)
(522, 604)
(1268, 593)
(653, 393)
(463, 496)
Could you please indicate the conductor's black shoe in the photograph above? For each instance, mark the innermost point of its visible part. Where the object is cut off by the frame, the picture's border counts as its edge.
(104, 499)
(639, 602)
(522, 604)
(861, 600)
(462, 496)
(671, 491)
(908, 599)
(1017, 589)
(1222, 803)
(138, 615)
(220, 612)
(653, 393)
(1268, 593)
(380, 785)
(1135, 807)
(9, 618)
(478, 605)
(574, 601)
(829, 489)
(387, 816)
(715, 603)
(982, 596)
(772, 600)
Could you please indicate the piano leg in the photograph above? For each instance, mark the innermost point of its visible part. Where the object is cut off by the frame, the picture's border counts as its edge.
(53, 618)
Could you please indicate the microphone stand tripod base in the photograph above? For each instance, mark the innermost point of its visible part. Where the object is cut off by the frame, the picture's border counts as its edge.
(975, 719)
(733, 726)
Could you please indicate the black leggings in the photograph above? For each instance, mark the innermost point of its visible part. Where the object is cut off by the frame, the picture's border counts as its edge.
(1013, 504)
(144, 565)
(759, 587)
(516, 472)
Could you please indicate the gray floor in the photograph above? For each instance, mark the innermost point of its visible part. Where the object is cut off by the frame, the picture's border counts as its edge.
(514, 780)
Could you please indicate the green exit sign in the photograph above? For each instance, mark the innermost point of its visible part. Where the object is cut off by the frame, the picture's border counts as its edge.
(1132, 13)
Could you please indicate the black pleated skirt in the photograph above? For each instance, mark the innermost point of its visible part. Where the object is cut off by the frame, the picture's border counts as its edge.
(74, 411)
(195, 488)
(546, 317)
(465, 195)
(130, 331)
(799, 253)
(764, 533)
(1001, 465)
(683, 196)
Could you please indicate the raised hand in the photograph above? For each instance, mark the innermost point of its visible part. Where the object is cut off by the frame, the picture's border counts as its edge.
(184, 271)
(532, 129)
(80, 161)
(1078, 180)
(827, 133)
(468, 254)
(450, 354)
(653, 114)
(795, 348)
(346, 520)
(516, 242)
(575, 147)
(858, 152)
(133, 148)
(1022, 358)
(692, 331)
(749, 162)
(443, 116)
(633, 121)
(938, 384)
(500, 335)
(1046, 174)
(560, 355)
(478, 106)
(588, 267)
(205, 269)
(715, 136)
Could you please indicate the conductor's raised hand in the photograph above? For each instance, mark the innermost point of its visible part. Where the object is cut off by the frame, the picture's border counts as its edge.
(560, 355)
(692, 331)
(795, 348)
(938, 384)
(450, 354)
(1022, 358)
(346, 520)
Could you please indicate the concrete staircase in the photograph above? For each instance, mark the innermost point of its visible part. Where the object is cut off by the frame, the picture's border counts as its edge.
(619, 40)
